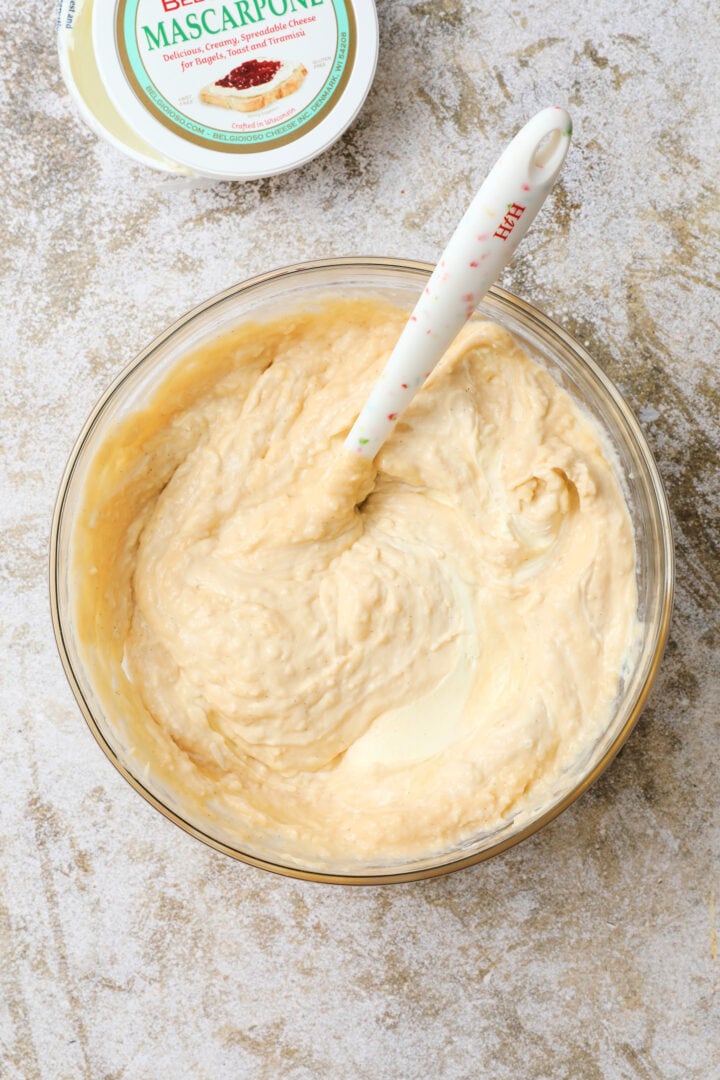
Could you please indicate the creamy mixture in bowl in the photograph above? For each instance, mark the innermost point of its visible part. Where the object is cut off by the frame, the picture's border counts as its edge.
(344, 662)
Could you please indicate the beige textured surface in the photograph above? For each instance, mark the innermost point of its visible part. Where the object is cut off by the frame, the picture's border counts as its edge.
(129, 950)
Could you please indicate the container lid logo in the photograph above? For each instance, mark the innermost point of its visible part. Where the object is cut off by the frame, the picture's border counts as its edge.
(240, 77)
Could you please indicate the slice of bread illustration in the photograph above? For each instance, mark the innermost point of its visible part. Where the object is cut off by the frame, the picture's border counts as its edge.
(254, 85)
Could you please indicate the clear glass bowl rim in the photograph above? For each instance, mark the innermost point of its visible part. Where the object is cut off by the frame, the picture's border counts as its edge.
(549, 329)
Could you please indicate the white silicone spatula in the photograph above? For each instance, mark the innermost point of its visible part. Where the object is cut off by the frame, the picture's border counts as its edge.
(481, 246)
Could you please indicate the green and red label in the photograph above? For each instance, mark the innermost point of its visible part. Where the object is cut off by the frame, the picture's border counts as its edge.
(242, 76)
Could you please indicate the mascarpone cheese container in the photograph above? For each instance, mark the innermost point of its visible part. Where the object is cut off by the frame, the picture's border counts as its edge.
(230, 89)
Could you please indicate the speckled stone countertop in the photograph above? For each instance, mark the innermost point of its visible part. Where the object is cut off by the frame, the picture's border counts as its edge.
(129, 950)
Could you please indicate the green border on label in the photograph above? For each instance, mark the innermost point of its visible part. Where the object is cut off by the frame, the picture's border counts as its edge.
(229, 141)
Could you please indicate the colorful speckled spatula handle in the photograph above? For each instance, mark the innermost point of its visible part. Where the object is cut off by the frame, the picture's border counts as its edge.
(482, 245)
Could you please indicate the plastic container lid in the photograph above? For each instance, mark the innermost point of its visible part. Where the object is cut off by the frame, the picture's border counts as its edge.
(235, 90)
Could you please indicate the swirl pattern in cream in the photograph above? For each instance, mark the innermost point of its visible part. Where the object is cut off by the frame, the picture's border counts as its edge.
(378, 659)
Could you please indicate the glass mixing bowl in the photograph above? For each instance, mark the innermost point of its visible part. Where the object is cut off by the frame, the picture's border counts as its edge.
(400, 282)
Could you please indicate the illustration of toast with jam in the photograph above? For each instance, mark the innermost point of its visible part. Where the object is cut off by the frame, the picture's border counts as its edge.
(254, 85)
